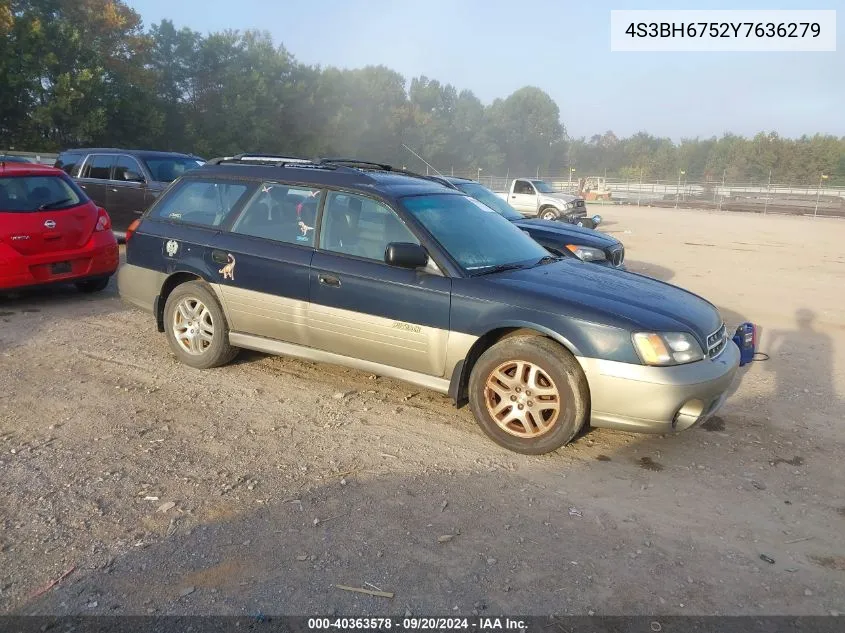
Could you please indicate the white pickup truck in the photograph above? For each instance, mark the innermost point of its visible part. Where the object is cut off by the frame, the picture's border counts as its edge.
(536, 198)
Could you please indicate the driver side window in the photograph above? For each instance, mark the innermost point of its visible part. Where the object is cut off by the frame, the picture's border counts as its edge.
(523, 186)
(359, 226)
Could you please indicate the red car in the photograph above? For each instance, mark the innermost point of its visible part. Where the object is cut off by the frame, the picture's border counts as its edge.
(51, 232)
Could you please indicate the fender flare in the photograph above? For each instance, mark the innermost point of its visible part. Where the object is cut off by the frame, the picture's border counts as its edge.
(459, 379)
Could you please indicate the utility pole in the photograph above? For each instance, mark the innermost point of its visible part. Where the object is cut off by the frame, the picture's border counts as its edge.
(768, 189)
(681, 172)
(819, 194)
(640, 187)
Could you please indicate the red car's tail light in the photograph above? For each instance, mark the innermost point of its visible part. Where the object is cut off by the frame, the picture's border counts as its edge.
(131, 230)
(103, 220)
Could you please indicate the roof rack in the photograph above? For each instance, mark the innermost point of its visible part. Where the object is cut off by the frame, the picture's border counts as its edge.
(262, 159)
(355, 163)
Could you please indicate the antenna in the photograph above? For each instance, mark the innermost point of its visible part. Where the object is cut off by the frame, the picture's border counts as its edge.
(423, 160)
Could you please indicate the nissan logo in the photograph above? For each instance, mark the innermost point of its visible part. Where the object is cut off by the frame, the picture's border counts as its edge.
(50, 224)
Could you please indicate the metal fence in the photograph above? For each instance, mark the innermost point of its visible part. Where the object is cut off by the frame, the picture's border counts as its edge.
(737, 196)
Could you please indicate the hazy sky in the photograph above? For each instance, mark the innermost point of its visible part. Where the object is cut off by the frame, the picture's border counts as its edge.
(494, 47)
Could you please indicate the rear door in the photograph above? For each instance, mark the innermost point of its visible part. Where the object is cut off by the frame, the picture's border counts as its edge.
(95, 175)
(362, 308)
(126, 192)
(262, 263)
(523, 197)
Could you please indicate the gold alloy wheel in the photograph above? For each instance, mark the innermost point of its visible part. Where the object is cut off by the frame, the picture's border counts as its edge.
(193, 326)
(522, 399)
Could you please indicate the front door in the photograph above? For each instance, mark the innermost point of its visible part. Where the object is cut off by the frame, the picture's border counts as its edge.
(263, 264)
(362, 308)
(524, 197)
(125, 192)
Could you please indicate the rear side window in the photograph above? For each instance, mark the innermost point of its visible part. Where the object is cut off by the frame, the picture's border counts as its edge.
(68, 161)
(282, 213)
(207, 203)
(98, 167)
(25, 194)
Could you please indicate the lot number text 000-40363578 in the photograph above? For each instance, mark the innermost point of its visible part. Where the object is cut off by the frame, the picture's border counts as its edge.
(729, 30)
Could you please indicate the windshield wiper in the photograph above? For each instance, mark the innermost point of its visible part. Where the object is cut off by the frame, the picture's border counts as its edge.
(548, 259)
(55, 203)
(499, 268)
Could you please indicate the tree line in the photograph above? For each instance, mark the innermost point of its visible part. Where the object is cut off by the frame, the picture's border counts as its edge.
(87, 72)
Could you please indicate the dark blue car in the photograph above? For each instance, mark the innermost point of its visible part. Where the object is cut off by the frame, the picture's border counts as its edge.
(558, 237)
(356, 264)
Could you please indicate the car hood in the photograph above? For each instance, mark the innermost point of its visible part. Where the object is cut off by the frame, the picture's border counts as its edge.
(627, 299)
(570, 233)
(565, 197)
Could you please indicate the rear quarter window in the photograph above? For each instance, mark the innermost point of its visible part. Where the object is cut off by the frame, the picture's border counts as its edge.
(206, 203)
(69, 161)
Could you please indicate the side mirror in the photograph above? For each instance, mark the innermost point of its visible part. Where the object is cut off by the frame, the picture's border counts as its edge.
(405, 255)
(133, 176)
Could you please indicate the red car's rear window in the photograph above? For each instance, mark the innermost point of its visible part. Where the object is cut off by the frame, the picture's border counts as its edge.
(30, 193)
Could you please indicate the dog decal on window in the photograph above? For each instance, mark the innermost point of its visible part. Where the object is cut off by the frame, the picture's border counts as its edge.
(228, 271)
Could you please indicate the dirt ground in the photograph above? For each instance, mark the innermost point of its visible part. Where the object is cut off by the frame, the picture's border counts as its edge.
(150, 487)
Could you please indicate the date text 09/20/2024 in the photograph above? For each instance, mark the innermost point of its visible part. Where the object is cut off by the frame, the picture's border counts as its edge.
(416, 624)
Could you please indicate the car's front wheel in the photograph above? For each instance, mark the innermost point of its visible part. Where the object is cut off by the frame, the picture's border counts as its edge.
(528, 394)
(549, 214)
(196, 327)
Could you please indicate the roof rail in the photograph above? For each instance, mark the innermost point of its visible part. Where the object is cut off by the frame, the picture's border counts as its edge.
(355, 163)
(262, 159)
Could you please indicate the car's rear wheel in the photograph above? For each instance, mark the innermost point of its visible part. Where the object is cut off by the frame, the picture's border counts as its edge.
(92, 285)
(528, 394)
(196, 327)
(549, 214)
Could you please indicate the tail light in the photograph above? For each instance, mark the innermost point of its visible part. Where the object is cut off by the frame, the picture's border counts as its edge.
(131, 230)
(103, 220)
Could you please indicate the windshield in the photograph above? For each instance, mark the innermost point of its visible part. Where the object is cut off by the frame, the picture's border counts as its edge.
(482, 193)
(22, 194)
(543, 187)
(169, 168)
(474, 235)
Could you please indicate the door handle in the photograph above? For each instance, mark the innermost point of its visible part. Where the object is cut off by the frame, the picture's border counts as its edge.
(513, 197)
(81, 185)
(220, 257)
(329, 280)
(114, 190)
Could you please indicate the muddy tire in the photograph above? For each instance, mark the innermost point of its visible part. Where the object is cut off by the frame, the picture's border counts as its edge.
(529, 394)
(196, 327)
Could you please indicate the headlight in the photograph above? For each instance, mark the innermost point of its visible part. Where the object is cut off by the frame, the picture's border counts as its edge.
(587, 253)
(570, 205)
(668, 348)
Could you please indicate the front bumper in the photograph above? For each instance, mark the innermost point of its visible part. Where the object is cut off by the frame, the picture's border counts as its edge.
(98, 258)
(645, 399)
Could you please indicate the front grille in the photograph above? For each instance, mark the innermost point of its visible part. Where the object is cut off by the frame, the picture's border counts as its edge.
(717, 341)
